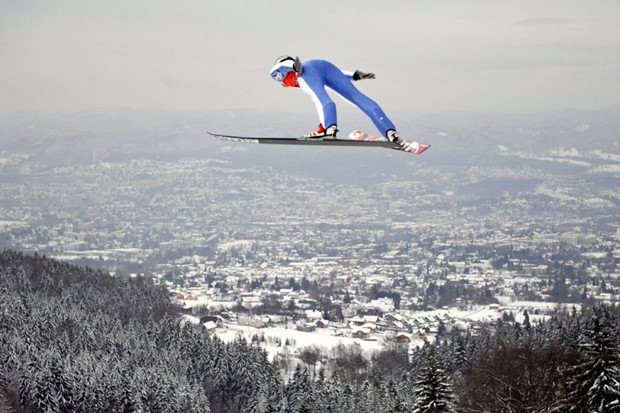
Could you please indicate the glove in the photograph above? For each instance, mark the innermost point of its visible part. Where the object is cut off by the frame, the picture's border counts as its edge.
(358, 75)
(297, 66)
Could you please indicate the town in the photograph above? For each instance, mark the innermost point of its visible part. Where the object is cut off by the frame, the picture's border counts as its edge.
(257, 248)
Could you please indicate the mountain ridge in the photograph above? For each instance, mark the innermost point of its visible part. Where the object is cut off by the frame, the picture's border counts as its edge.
(457, 139)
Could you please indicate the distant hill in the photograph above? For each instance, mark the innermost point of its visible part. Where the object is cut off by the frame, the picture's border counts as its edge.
(457, 139)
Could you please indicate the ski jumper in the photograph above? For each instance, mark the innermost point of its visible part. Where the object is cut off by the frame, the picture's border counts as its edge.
(318, 75)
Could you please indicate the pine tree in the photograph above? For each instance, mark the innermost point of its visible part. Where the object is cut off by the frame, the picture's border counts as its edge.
(271, 392)
(460, 359)
(299, 391)
(526, 320)
(125, 401)
(432, 390)
(595, 386)
(377, 395)
(45, 397)
(394, 403)
(364, 398)
(27, 390)
(324, 398)
(62, 385)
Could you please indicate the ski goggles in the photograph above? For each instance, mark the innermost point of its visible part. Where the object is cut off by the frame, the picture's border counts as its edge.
(277, 75)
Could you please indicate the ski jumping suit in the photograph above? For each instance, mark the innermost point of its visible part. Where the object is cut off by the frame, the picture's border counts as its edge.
(319, 74)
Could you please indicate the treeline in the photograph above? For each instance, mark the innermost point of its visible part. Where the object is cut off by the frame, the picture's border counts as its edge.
(74, 339)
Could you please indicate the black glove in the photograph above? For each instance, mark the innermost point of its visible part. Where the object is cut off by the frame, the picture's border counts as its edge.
(358, 75)
(297, 66)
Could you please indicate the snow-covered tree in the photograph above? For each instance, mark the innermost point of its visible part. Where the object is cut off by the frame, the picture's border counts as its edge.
(299, 391)
(595, 382)
(433, 392)
(393, 400)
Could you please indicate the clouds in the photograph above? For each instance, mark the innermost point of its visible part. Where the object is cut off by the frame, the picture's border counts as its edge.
(428, 56)
(542, 22)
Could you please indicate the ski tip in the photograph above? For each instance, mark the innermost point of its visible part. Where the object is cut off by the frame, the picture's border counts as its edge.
(414, 147)
(422, 147)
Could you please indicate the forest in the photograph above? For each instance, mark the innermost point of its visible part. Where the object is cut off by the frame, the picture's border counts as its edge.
(76, 339)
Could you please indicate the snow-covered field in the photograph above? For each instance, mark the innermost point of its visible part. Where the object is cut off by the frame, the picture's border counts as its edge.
(322, 338)
(275, 338)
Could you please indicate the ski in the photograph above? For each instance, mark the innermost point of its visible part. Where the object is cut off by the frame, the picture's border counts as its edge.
(363, 140)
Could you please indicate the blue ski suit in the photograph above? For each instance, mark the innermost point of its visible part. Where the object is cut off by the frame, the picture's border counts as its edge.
(317, 75)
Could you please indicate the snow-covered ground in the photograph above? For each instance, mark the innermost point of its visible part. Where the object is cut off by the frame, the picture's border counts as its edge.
(322, 338)
(288, 340)
(327, 339)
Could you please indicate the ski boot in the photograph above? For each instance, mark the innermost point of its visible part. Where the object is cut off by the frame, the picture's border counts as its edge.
(321, 133)
(392, 135)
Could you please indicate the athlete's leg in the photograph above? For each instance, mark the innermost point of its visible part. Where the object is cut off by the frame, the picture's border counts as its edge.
(325, 106)
(341, 84)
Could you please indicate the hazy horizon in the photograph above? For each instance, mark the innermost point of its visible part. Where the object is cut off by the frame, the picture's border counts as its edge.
(481, 56)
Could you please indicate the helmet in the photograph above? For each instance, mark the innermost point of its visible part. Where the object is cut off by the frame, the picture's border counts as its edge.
(284, 58)
(282, 69)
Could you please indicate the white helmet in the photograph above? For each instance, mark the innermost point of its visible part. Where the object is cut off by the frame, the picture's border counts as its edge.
(284, 58)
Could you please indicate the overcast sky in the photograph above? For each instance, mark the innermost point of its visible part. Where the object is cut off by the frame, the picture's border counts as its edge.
(429, 56)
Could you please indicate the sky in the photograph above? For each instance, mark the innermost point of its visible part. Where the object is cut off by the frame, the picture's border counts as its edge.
(428, 56)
